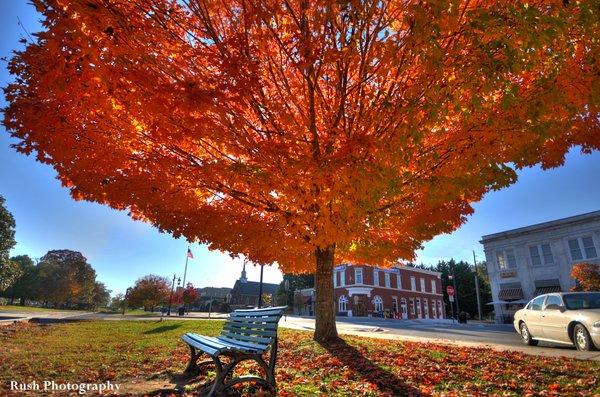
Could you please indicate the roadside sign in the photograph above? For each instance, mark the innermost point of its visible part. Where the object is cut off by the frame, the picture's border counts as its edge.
(451, 298)
(450, 290)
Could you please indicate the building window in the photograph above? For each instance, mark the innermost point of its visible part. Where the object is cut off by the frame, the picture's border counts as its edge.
(394, 304)
(412, 306)
(433, 287)
(343, 278)
(422, 280)
(541, 255)
(388, 282)
(376, 277)
(534, 253)
(343, 304)
(413, 283)
(576, 245)
(358, 276)
(588, 247)
(335, 284)
(547, 254)
(426, 307)
(506, 259)
(378, 303)
(419, 314)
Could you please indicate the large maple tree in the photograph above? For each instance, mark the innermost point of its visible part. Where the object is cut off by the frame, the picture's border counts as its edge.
(305, 132)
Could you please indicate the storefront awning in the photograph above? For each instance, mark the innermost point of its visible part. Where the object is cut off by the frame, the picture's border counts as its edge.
(510, 294)
(547, 290)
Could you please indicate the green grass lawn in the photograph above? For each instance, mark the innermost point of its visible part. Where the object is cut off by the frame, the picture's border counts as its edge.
(143, 356)
(18, 308)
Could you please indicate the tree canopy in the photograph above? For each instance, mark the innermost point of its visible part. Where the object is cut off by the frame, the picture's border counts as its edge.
(587, 276)
(25, 286)
(9, 270)
(66, 279)
(149, 292)
(310, 131)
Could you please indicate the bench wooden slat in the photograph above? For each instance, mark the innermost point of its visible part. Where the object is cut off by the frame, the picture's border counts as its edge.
(221, 345)
(276, 310)
(245, 345)
(248, 338)
(250, 327)
(199, 346)
(254, 318)
(257, 332)
(273, 320)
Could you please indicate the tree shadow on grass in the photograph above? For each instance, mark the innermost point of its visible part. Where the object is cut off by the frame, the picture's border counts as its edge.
(387, 382)
(163, 328)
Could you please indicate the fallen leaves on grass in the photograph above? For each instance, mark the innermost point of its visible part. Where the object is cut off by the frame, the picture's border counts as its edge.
(350, 367)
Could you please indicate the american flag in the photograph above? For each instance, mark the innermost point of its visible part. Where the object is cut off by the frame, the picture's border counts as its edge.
(189, 254)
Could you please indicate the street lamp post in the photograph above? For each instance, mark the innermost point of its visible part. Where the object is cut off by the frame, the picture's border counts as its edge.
(125, 299)
(171, 296)
(260, 287)
(455, 290)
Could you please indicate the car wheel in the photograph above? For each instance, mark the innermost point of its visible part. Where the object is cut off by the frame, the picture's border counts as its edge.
(582, 339)
(527, 336)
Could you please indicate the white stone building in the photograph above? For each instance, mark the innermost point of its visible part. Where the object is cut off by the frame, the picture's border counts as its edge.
(525, 262)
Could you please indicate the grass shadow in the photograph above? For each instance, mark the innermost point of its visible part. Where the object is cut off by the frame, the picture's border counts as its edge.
(387, 382)
(161, 329)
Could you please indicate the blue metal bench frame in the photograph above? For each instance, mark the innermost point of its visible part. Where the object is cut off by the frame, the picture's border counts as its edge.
(246, 335)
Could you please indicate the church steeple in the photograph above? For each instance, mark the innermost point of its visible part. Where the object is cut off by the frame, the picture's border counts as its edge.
(243, 278)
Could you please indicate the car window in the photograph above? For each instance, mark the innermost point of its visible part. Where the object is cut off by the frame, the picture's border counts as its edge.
(553, 300)
(537, 303)
(589, 300)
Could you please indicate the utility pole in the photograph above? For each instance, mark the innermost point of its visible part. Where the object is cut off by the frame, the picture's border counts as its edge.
(477, 287)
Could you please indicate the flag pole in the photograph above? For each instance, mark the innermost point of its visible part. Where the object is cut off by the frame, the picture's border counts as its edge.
(187, 257)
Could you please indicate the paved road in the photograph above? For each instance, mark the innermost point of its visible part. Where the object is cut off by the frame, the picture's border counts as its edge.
(497, 336)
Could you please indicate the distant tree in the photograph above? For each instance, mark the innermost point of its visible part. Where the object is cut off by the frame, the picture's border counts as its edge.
(149, 292)
(101, 295)
(285, 293)
(117, 302)
(465, 286)
(9, 271)
(190, 294)
(587, 276)
(24, 287)
(65, 279)
(267, 300)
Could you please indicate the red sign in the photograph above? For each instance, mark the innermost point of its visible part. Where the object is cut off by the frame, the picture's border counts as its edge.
(450, 290)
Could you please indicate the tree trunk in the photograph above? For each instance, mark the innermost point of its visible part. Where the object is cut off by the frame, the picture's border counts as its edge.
(325, 329)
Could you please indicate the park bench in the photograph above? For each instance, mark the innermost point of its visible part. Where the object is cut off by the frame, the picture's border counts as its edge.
(246, 335)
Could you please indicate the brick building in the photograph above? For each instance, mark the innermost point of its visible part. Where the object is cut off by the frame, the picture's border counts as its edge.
(362, 290)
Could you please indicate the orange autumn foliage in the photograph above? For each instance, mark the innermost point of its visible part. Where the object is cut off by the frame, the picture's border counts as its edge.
(587, 276)
(275, 129)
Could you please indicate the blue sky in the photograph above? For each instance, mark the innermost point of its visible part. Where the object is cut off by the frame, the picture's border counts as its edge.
(122, 250)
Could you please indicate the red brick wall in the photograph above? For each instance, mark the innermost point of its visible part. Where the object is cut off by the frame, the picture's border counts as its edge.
(387, 294)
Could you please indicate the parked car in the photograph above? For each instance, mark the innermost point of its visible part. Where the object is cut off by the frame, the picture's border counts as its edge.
(565, 318)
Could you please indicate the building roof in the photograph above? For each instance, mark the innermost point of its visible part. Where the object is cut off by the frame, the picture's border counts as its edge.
(252, 288)
(558, 223)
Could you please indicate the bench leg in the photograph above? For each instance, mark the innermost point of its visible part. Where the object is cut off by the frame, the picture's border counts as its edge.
(193, 364)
